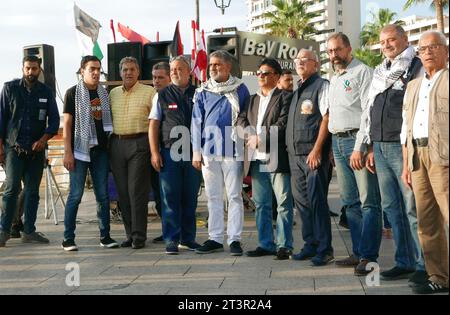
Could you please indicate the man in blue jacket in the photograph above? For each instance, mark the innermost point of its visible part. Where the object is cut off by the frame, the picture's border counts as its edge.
(218, 103)
(28, 119)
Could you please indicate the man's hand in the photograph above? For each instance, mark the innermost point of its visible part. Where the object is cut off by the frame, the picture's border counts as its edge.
(69, 162)
(357, 161)
(39, 146)
(370, 161)
(2, 155)
(314, 159)
(252, 142)
(157, 162)
(406, 178)
(197, 165)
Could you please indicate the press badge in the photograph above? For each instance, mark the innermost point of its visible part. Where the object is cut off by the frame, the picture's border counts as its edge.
(42, 114)
(42, 100)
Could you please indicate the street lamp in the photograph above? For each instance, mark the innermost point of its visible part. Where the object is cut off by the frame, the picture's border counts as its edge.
(222, 4)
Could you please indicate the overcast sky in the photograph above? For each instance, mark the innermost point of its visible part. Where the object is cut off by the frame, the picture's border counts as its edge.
(29, 22)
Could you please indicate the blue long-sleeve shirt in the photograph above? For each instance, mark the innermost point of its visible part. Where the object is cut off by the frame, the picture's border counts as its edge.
(25, 116)
(213, 112)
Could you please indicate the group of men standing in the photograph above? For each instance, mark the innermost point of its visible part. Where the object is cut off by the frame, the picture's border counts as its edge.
(385, 131)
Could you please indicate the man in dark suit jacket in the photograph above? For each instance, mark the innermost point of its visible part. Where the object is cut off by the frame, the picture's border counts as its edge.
(265, 119)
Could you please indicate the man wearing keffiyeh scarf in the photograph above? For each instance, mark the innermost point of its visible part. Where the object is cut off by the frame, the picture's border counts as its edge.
(217, 105)
(87, 124)
(384, 126)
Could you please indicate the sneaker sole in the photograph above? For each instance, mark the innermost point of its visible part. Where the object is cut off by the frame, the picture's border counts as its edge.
(115, 245)
(322, 264)
(236, 254)
(182, 247)
(70, 249)
(172, 253)
(219, 250)
(34, 242)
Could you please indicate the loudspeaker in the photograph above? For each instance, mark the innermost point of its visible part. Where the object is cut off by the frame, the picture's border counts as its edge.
(154, 53)
(47, 55)
(118, 51)
(228, 43)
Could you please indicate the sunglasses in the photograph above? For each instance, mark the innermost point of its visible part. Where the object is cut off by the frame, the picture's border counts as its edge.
(263, 73)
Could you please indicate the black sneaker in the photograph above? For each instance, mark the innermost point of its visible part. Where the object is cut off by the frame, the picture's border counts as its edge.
(209, 247)
(429, 288)
(192, 246)
(158, 240)
(69, 246)
(418, 278)
(322, 260)
(138, 244)
(108, 242)
(396, 273)
(15, 233)
(35, 237)
(260, 252)
(236, 249)
(172, 248)
(283, 254)
(127, 243)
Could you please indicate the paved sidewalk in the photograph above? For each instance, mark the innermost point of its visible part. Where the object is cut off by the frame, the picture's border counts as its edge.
(40, 269)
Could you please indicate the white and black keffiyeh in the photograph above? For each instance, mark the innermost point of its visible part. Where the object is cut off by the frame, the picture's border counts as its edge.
(85, 136)
(229, 90)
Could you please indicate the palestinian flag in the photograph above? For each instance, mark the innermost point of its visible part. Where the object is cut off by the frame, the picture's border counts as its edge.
(176, 48)
(87, 33)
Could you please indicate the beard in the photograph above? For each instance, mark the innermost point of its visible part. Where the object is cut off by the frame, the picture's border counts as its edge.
(339, 63)
(30, 78)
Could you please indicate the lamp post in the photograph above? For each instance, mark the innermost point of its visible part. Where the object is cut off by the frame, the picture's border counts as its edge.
(222, 4)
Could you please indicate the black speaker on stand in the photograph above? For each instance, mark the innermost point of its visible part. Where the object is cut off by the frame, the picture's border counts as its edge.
(153, 54)
(229, 43)
(47, 54)
(116, 52)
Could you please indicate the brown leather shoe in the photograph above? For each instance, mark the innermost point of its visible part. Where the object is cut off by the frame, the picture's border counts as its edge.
(350, 261)
(361, 269)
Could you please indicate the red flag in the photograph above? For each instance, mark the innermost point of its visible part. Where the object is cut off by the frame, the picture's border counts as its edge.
(176, 48)
(131, 35)
(111, 24)
(201, 60)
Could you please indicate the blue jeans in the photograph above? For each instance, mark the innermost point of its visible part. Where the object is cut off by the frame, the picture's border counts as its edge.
(361, 195)
(399, 205)
(310, 190)
(262, 185)
(99, 168)
(30, 170)
(180, 184)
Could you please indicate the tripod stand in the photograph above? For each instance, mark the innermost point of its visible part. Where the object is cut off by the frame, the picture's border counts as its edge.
(50, 184)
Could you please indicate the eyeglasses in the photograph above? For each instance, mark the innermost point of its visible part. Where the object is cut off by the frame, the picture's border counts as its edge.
(303, 60)
(336, 50)
(263, 73)
(432, 48)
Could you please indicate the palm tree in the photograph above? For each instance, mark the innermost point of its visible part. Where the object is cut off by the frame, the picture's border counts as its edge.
(438, 5)
(368, 57)
(291, 19)
(370, 33)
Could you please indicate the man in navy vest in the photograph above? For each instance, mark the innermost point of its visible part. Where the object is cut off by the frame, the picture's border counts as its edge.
(171, 156)
(309, 143)
(384, 126)
(28, 119)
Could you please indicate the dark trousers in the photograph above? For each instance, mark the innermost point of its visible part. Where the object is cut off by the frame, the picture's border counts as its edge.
(180, 184)
(154, 179)
(130, 164)
(309, 188)
(28, 168)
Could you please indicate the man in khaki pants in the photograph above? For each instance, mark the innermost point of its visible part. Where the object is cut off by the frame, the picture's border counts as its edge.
(425, 136)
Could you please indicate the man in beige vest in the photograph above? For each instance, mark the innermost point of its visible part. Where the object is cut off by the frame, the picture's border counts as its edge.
(425, 139)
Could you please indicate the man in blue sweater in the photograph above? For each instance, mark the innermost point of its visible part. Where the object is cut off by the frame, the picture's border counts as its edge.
(218, 103)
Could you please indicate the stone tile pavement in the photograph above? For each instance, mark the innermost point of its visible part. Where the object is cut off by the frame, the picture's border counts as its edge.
(41, 269)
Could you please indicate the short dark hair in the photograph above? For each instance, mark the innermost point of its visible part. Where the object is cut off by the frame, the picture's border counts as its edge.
(31, 58)
(162, 66)
(86, 59)
(271, 62)
(286, 72)
(342, 37)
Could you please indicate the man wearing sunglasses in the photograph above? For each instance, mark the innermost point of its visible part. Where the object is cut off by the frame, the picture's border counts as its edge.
(267, 112)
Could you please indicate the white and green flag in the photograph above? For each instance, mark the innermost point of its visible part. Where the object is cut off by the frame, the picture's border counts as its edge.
(87, 33)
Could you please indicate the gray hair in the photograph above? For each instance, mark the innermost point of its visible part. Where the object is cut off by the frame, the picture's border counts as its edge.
(394, 27)
(312, 52)
(162, 66)
(182, 59)
(440, 35)
(128, 60)
(223, 55)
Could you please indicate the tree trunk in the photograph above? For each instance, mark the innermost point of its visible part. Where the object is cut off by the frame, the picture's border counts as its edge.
(440, 15)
